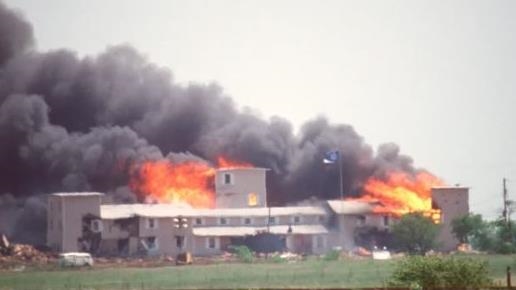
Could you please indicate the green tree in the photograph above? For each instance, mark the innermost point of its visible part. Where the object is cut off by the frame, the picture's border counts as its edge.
(485, 237)
(496, 236)
(415, 233)
(466, 226)
(505, 237)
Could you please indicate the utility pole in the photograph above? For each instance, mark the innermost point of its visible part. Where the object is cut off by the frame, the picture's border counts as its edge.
(505, 202)
(269, 219)
(341, 191)
(333, 157)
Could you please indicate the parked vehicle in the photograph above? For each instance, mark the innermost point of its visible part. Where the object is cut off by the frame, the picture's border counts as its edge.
(75, 259)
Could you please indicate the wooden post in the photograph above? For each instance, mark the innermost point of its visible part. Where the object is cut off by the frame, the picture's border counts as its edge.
(509, 276)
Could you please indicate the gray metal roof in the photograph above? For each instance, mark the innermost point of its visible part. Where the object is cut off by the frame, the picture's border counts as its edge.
(450, 187)
(243, 168)
(77, 194)
(117, 211)
(350, 206)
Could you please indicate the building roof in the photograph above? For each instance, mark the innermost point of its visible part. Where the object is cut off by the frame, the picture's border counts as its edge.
(243, 168)
(450, 187)
(118, 211)
(249, 230)
(350, 206)
(77, 194)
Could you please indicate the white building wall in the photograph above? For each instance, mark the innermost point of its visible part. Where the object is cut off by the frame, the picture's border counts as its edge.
(234, 192)
(453, 202)
(68, 217)
(54, 223)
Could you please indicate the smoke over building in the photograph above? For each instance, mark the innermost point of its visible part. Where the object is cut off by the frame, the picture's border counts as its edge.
(70, 123)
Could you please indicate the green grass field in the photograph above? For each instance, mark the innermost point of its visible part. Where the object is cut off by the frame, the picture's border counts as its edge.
(311, 273)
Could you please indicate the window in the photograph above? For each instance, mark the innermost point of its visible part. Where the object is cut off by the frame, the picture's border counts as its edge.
(51, 224)
(320, 218)
(212, 243)
(152, 223)
(296, 219)
(180, 222)
(361, 220)
(319, 242)
(227, 178)
(180, 242)
(198, 221)
(96, 226)
(385, 220)
(223, 221)
(151, 243)
(272, 220)
(252, 199)
(247, 221)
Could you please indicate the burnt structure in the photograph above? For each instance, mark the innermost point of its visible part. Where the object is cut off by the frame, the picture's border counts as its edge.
(80, 221)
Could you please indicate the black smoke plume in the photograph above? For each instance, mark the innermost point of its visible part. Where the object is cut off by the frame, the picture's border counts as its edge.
(74, 124)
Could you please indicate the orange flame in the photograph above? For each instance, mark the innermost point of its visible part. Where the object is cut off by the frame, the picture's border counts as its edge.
(401, 193)
(225, 163)
(188, 182)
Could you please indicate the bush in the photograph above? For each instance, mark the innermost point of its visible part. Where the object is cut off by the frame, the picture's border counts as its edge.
(244, 254)
(278, 259)
(440, 272)
(332, 255)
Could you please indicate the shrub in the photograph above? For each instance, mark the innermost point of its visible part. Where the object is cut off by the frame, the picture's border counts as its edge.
(244, 254)
(278, 259)
(441, 272)
(332, 255)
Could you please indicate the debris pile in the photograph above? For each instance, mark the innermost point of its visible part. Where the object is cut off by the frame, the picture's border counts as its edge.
(184, 259)
(363, 252)
(28, 253)
(225, 257)
(5, 246)
(464, 248)
(11, 254)
(290, 256)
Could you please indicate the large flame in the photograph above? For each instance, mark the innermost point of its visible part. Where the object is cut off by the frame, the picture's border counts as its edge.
(187, 182)
(400, 193)
(225, 163)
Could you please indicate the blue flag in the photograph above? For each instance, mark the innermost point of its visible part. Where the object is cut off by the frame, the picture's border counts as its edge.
(331, 157)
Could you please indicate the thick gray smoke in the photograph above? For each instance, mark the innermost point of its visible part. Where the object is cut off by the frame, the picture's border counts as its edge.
(74, 124)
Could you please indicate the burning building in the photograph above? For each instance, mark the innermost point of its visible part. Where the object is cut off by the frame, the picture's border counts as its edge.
(82, 222)
(119, 124)
(452, 202)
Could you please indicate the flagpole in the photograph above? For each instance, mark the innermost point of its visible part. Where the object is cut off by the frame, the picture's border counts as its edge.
(340, 176)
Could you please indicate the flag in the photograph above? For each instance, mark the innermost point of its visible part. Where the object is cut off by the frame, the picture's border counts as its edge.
(331, 157)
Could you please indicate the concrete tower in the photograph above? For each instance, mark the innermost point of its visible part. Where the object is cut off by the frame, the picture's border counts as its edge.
(66, 215)
(453, 201)
(240, 188)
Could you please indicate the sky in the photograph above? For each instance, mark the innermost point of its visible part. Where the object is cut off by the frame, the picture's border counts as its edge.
(436, 77)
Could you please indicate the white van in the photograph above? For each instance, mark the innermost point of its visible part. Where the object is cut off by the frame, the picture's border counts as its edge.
(75, 259)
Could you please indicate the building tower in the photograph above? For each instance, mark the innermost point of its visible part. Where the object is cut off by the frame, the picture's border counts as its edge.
(240, 188)
(453, 203)
(68, 215)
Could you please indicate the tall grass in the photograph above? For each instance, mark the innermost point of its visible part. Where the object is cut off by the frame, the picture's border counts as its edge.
(316, 273)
